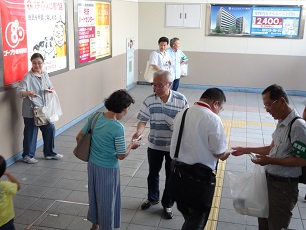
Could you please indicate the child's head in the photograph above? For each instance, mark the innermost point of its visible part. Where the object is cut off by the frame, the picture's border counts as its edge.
(2, 166)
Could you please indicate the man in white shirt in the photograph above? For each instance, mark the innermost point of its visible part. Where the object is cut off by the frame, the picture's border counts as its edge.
(203, 141)
(160, 59)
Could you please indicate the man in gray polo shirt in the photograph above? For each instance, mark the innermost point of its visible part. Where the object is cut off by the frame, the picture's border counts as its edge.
(160, 109)
(282, 167)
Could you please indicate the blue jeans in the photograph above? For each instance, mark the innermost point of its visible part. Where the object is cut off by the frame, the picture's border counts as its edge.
(30, 138)
(175, 84)
(8, 226)
(155, 159)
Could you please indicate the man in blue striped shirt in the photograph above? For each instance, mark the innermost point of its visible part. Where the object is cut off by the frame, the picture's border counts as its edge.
(178, 58)
(159, 108)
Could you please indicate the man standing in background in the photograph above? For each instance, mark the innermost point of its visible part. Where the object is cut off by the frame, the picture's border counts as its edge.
(160, 59)
(178, 59)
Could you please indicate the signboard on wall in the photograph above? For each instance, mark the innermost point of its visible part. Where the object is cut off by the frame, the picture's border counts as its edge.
(93, 31)
(251, 20)
(30, 26)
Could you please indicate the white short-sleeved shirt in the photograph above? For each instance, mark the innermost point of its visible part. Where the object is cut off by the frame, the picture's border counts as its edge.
(161, 59)
(203, 136)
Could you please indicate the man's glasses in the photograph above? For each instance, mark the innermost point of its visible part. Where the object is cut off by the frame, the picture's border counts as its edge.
(157, 86)
(269, 106)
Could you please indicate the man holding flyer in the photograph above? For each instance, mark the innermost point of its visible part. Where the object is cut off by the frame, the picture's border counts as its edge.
(282, 166)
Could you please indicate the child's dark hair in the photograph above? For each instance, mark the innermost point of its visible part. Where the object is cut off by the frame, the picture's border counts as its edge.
(2, 166)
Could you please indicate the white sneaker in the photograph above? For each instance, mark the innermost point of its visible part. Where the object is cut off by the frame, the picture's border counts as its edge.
(55, 157)
(29, 160)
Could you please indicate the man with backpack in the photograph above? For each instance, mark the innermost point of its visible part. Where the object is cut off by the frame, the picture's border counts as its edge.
(282, 167)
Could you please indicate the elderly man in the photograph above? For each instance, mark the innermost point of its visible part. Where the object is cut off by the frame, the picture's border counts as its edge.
(203, 141)
(283, 168)
(160, 109)
(178, 59)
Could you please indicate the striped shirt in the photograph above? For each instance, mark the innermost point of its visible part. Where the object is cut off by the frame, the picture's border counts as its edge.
(161, 117)
(108, 140)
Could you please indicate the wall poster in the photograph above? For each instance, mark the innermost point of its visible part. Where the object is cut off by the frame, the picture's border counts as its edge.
(30, 26)
(252, 20)
(93, 35)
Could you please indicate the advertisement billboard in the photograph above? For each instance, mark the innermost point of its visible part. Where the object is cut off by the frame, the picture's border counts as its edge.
(30, 26)
(93, 37)
(251, 20)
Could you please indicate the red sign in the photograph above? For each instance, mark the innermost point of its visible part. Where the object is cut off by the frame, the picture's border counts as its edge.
(14, 39)
(86, 52)
(268, 21)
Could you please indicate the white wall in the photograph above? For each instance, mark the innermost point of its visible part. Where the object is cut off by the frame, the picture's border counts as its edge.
(226, 61)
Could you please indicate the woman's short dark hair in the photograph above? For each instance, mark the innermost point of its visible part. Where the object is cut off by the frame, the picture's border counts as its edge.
(2, 165)
(37, 55)
(276, 92)
(214, 94)
(118, 101)
(163, 39)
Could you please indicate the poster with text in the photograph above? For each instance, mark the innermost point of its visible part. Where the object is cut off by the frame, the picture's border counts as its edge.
(248, 20)
(276, 21)
(93, 30)
(30, 26)
(14, 40)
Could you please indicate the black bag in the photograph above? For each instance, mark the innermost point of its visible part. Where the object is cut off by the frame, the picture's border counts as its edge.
(302, 178)
(192, 185)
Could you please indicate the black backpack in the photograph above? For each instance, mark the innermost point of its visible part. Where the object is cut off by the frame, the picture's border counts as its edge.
(302, 178)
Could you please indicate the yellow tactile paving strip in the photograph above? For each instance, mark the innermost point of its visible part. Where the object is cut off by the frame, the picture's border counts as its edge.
(228, 124)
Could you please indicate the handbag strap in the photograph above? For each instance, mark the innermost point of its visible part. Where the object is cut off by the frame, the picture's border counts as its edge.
(45, 87)
(93, 122)
(180, 138)
(178, 144)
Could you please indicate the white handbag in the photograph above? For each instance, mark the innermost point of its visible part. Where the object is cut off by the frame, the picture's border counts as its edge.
(149, 73)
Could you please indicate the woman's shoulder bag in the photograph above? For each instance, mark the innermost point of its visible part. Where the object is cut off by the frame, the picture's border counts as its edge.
(82, 149)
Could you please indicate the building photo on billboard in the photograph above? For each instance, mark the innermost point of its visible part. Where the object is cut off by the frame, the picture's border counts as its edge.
(251, 20)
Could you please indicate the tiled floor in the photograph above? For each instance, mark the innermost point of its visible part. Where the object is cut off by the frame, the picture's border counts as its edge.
(54, 193)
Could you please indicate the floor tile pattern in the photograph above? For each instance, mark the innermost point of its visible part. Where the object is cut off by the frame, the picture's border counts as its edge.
(54, 193)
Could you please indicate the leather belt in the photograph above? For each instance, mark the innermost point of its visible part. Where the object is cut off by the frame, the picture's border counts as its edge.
(282, 179)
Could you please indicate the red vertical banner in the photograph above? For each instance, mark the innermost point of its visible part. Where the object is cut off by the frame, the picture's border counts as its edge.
(15, 52)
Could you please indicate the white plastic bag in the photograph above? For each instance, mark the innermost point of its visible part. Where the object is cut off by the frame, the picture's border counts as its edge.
(250, 192)
(149, 73)
(53, 110)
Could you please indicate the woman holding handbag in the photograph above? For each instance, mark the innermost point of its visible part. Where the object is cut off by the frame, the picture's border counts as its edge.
(34, 89)
(107, 147)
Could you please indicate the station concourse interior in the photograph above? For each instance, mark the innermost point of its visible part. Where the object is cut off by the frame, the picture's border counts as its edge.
(54, 193)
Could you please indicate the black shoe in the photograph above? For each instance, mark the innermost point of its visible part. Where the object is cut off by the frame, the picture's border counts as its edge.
(168, 213)
(147, 204)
